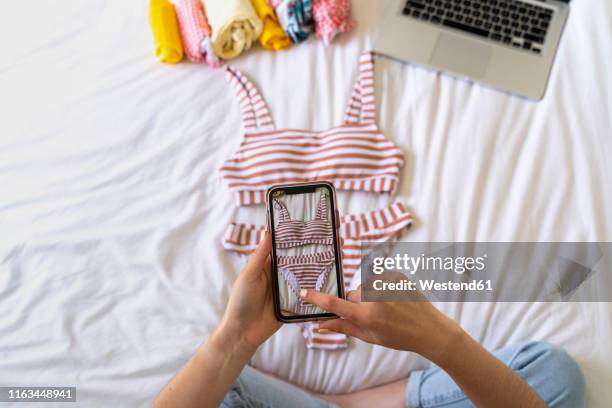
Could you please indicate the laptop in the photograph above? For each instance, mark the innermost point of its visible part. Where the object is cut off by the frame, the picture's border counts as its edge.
(509, 45)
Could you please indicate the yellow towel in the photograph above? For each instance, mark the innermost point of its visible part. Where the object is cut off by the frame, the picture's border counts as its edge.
(162, 17)
(273, 36)
(235, 26)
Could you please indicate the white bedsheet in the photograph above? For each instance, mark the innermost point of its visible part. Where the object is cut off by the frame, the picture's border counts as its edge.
(112, 211)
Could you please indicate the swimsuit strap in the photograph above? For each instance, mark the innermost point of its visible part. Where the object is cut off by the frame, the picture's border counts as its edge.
(284, 212)
(362, 105)
(321, 213)
(255, 114)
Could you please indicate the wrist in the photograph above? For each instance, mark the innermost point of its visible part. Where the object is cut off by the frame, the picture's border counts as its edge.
(447, 337)
(231, 342)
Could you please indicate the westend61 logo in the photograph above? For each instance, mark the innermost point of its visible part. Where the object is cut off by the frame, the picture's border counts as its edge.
(424, 263)
(487, 271)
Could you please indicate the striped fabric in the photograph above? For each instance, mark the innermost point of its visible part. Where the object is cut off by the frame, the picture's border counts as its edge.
(362, 105)
(242, 238)
(316, 257)
(324, 340)
(255, 115)
(380, 226)
(292, 233)
(353, 156)
(307, 271)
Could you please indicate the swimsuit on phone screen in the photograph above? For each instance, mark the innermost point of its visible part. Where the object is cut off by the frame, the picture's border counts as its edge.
(306, 271)
(291, 233)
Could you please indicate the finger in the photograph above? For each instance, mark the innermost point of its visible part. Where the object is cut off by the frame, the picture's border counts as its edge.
(260, 258)
(267, 275)
(267, 265)
(354, 295)
(332, 304)
(342, 326)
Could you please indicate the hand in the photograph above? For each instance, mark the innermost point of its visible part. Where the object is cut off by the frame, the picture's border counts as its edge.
(249, 316)
(248, 321)
(411, 326)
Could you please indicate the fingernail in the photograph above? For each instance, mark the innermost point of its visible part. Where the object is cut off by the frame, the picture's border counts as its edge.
(303, 293)
(262, 236)
(323, 331)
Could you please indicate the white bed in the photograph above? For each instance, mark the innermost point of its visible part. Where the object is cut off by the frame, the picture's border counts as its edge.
(112, 211)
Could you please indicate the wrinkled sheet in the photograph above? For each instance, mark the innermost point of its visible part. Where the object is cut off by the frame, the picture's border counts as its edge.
(112, 211)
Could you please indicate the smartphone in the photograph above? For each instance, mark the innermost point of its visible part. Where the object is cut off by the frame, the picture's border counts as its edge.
(303, 221)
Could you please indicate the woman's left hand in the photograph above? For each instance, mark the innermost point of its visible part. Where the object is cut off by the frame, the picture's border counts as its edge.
(249, 317)
(248, 322)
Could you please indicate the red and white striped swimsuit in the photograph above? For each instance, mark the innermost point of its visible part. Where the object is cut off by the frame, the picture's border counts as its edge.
(291, 233)
(354, 156)
(307, 270)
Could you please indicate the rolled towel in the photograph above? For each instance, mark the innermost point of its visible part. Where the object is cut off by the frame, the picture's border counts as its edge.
(273, 36)
(195, 32)
(332, 17)
(235, 26)
(296, 17)
(162, 18)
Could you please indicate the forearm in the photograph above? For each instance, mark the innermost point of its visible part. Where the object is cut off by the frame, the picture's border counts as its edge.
(209, 374)
(484, 379)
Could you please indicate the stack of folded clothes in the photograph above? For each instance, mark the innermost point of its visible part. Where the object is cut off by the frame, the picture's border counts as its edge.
(210, 31)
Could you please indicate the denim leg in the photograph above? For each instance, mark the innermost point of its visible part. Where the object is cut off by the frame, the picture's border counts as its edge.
(549, 370)
(257, 390)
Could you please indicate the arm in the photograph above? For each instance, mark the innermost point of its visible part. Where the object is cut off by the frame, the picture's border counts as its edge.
(468, 363)
(208, 375)
(248, 321)
(419, 327)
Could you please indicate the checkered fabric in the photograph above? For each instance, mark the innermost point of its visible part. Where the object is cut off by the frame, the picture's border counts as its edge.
(195, 32)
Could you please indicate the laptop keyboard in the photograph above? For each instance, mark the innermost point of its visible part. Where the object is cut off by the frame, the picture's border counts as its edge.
(513, 23)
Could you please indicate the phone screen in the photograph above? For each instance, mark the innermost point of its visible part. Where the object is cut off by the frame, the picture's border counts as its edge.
(305, 251)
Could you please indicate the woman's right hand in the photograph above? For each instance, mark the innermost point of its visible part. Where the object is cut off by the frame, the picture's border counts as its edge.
(418, 326)
(411, 326)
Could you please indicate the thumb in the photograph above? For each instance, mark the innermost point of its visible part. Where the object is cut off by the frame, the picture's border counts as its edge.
(259, 258)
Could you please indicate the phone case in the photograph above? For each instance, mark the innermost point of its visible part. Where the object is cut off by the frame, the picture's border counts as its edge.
(337, 248)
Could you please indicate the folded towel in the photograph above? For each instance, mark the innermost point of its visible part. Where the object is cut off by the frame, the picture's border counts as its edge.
(195, 32)
(162, 18)
(296, 17)
(273, 36)
(332, 17)
(234, 24)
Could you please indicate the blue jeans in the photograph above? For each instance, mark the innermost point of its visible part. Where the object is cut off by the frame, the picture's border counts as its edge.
(550, 371)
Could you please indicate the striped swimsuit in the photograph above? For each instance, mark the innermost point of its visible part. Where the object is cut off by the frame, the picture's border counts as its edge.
(354, 156)
(308, 270)
(290, 233)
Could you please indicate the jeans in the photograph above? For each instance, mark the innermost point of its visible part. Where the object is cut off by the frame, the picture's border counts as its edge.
(550, 371)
